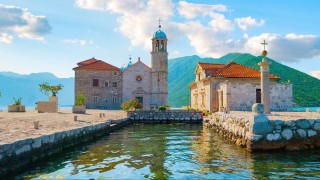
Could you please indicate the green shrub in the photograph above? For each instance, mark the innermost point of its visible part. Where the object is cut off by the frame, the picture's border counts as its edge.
(80, 100)
(132, 103)
(17, 102)
(162, 108)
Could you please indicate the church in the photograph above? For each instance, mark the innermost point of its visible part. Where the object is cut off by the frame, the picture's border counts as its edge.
(236, 87)
(106, 86)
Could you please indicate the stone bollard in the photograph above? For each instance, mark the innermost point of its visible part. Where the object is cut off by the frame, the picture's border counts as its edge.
(36, 124)
(258, 108)
(260, 122)
(307, 109)
(104, 115)
(75, 118)
(100, 115)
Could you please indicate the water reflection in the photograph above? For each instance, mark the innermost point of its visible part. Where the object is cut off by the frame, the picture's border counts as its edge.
(172, 152)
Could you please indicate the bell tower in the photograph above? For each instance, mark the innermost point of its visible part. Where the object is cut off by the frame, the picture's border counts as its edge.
(159, 66)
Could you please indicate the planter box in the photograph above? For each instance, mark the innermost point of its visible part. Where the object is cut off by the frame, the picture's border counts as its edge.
(16, 108)
(79, 109)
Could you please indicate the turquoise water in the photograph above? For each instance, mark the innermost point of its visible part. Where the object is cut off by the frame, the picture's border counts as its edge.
(172, 152)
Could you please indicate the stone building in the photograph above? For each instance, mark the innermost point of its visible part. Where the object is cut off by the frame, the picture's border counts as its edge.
(107, 87)
(235, 87)
(100, 83)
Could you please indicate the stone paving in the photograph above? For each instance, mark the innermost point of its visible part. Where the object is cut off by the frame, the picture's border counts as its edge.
(17, 126)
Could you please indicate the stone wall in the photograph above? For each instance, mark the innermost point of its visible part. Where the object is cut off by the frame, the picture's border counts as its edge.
(240, 96)
(257, 132)
(15, 156)
(163, 116)
(108, 97)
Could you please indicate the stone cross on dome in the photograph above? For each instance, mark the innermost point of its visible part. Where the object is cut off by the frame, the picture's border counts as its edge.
(159, 23)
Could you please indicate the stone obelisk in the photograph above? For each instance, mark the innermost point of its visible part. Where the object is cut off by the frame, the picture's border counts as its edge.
(265, 80)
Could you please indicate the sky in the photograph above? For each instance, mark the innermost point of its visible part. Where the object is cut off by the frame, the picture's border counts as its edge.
(54, 35)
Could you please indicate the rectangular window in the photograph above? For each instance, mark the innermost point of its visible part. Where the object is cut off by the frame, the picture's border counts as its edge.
(95, 82)
(258, 95)
(114, 99)
(106, 84)
(95, 99)
(115, 73)
(115, 84)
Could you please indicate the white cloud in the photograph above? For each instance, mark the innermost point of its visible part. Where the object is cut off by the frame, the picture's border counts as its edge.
(138, 19)
(290, 47)
(315, 74)
(192, 10)
(80, 42)
(6, 38)
(209, 36)
(246, 23)
(19, 21)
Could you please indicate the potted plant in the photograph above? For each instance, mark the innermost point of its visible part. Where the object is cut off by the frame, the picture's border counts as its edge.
(17, 107)
(79, 105)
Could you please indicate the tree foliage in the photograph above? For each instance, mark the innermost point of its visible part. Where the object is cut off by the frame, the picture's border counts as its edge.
(45, 88)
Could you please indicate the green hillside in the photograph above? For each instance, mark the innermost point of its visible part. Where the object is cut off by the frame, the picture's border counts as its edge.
(306, 89)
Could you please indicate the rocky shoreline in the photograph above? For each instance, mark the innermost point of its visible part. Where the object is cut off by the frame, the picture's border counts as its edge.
(256, 132)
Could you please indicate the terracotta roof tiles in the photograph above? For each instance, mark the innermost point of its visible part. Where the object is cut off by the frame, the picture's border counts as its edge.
(232, 70)
(96, 65)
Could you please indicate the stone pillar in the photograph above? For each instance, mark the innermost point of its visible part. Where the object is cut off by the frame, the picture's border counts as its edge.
(55, 100)
(220, 101)
(265, 83)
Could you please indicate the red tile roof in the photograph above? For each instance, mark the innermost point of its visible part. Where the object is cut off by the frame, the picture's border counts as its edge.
(210, 68)
(96, 65)
(86, 62)
(234, 70)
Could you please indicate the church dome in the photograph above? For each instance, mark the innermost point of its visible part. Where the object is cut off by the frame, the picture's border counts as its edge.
(159, 34)
(126, 66)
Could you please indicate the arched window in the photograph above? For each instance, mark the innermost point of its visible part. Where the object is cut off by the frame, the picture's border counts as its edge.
(157, 45)
(161, 46)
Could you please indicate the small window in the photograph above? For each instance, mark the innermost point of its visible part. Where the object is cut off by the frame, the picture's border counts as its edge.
(114, 99)
(95, 99)
(95, 82)
(106, 84)
(115, 84)
(139, 78)
(115, 73)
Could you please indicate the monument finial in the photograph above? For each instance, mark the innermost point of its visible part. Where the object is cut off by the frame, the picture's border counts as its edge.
(159, 23)
(130, 58)
(264, 52)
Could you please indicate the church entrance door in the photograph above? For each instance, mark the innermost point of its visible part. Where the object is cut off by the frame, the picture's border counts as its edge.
(140, 99)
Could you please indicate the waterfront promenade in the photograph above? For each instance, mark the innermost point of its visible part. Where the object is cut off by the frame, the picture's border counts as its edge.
(17, 126)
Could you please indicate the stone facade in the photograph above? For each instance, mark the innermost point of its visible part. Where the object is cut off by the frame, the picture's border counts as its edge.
(107, 87)
(137, 83)
(106, 94)
(215, 93)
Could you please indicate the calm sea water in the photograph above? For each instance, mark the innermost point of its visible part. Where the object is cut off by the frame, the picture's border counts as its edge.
(172, 152)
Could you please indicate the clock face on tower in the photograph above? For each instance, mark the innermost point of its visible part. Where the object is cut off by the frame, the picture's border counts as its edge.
(139, 78)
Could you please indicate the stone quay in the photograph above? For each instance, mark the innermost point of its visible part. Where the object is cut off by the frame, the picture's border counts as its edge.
(257, 131)
(165, 116)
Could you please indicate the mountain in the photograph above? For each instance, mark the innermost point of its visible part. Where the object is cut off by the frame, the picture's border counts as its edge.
(15, 85)
(181, 73)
